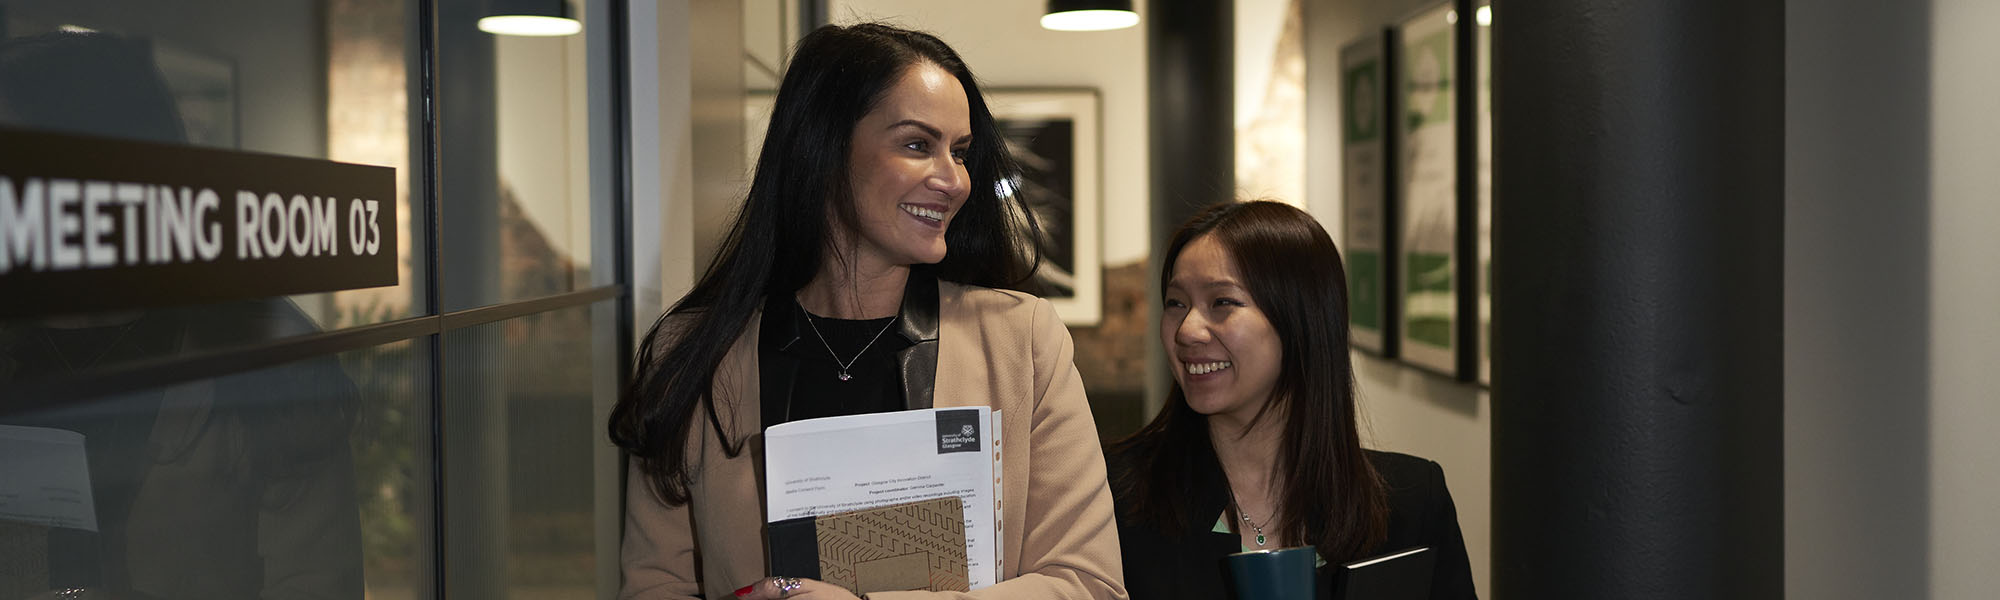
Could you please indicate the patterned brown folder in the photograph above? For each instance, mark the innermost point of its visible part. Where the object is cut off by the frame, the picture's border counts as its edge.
(912, 546)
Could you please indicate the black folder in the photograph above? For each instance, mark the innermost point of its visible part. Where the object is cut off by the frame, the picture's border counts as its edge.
(1401, 575)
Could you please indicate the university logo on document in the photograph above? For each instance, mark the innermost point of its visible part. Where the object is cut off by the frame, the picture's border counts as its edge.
(958, 431)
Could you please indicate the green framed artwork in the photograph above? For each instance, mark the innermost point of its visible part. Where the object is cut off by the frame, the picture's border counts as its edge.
(1364, 192)
(1482, 55)
(1426, 86)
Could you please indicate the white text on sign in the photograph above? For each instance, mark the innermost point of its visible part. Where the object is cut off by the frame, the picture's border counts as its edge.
(57, 224)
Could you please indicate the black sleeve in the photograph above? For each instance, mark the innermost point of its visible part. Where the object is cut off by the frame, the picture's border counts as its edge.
(1452, 579)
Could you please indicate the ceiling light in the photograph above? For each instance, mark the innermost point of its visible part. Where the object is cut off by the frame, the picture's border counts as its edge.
(1089, 15)
(538, 18)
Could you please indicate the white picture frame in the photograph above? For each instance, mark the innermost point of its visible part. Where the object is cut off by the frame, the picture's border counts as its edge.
(1036, 123)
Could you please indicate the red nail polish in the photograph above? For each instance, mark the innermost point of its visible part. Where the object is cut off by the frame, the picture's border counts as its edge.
(745, 591)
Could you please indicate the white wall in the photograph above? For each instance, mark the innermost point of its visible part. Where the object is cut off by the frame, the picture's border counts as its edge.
(717, 79)
(1404, 410)
(1965, 291)
(687, 146)
(769, 30)
(541, 124)
(661, 104)
(1270, 101)
(1892, 230)
(1257, 25)
(1006, 47)
(1857, 313)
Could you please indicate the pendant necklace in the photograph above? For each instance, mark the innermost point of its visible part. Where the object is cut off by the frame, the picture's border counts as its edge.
(829, 347)
(1246, 518)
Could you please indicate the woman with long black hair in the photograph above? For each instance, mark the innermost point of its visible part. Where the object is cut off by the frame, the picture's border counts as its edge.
(1257, 447)
(869, 270)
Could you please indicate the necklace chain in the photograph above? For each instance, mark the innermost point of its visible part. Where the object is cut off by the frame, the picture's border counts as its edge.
(1259, 528)
(836, 356)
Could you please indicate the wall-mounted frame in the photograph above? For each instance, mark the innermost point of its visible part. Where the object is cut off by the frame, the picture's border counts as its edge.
(1482, 155)
(1366, 231)
(1053, 134)
(1428, 169)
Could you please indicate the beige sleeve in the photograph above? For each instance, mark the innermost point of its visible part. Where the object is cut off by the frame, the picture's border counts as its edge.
(1069, 544)
(658, 556)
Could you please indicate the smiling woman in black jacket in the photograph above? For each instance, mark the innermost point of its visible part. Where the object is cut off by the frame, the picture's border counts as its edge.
(1257, 446)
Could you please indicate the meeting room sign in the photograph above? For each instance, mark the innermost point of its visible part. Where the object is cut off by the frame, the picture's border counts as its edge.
(89, 224)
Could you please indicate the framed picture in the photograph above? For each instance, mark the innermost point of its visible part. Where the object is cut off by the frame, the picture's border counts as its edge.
(1053, 134)
(1365, 231)
(1427, 198)
(1482, 55)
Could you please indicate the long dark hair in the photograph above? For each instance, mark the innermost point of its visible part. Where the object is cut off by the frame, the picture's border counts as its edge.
(1332, 496)
(783, 233)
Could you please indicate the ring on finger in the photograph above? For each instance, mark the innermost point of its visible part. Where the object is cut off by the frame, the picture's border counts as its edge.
(787, 585)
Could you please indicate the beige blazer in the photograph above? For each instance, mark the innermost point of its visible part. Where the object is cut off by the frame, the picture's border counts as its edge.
(996, 348)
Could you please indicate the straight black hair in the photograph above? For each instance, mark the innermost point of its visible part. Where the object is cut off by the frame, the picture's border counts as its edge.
(1332, 496)
(783, 233)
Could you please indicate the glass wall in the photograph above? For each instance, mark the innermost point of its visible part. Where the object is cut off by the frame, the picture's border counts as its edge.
(436, 437)
(515, 119)
(331, 80)
(520, 421)
(308, 479)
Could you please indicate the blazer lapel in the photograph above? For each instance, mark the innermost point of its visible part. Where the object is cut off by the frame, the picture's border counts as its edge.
(919, 325)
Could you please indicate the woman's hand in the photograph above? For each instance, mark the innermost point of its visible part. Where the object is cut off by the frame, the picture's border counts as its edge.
(775, 588)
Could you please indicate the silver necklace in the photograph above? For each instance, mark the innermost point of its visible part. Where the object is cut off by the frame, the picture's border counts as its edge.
(829, 347)
(1246, 518)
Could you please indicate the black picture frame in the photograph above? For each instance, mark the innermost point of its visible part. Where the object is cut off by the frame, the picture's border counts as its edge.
(1368, 229)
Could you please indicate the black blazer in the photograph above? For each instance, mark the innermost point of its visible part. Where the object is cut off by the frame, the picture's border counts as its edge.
(1190, 563)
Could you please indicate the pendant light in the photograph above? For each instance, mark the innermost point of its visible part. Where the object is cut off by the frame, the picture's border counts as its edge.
(535, 18)
(1089, 15)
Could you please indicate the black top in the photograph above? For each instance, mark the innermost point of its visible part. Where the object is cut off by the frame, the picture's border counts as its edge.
(868, 348)
(800, 377)
(1190, 563)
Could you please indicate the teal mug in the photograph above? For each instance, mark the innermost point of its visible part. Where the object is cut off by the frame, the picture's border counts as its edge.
(1283, 574)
